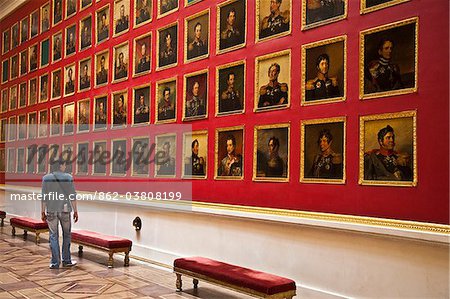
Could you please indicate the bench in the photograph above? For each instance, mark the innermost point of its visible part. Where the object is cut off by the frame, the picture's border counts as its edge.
(250, 282)
(111, 244)
(28, 224)
(2, 217)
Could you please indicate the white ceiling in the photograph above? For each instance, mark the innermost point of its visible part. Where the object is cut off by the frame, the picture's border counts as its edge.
(8, 6)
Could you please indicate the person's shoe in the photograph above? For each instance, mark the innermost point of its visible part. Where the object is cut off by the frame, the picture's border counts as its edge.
(53, 266)
(69, 265)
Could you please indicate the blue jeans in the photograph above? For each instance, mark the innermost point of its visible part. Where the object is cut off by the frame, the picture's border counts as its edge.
(53, 220)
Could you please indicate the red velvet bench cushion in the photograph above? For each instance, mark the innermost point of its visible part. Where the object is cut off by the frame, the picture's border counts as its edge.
(101, 240)
(259, 281)
(2, 214)
(28, 222)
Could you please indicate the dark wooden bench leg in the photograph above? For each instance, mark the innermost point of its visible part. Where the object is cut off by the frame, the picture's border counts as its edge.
(25, 234)
(127, 259)
(80, 250)
(37, 238)
(13, 231)
(179, 283)
(195, 281)
(111, 259)
(3, 222)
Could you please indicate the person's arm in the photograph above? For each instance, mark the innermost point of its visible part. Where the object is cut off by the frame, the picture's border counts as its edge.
(74, 200)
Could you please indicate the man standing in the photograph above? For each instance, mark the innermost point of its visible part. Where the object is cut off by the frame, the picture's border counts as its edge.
(59, 200)
(327, 164)
(277, 22)
(385, 164)
(322, 87)
(274, 93)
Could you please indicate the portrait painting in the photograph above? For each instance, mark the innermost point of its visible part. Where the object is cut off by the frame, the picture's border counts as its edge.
(85, 3)
(6, 40)
(167, 46)
(273, 77)
(121, 60)
(20, 160)
(197, 36)
(323, 151)
(166, 101)
(100, 158)
(56, 84)
(195, 97)
(84, 70)
(2, 160)
(22, 126)
(53, 156)
(165, 157)
(230, 96)
(374, 5)
(141, 151)
(119, 109)
(142, 12)
(273, 18)
(13, 97)
(82, 158)
(141, 105)
(195, 155)
(71, 8)
(43, 123)
(33, 57)
(119, 163)
(57, 12)
(55, 121)
(316, 12)
(103, 17)
(324, 71)
(24, 62)
(68, 155)
(229, 153)
(12, 128)
(271, 153)
(84, 116)
(121, 16)
(68, 118)
(4, 104)
(166, 7)
(30, 161)
(388, 149)
(22, 94)
(232, 25)
(14, 66)
(42, 158)
(4, 127)
(100, 112)
(32, 125)
(45, 17)
(101, 68)
(33, 91)
(45, 52)
(388, 59)
(5, 70)
(15, 36)
(71, 40)
(85, 33)
(24, 29)
(69, 80)
(11, 166)
(57, 46)
(34, 23)
(43, 88)
(142, 55)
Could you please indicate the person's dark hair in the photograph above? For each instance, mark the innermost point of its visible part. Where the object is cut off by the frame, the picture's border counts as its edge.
(233, 140)
(383, 41)
(325, 133)
(197, 24)
(322, 57)
(276, 142)
(193, 143)
(229, 75)
(276, 65)
(103, 58)
(230, 11)
(166, 89)
(104, 15)
(384, 131)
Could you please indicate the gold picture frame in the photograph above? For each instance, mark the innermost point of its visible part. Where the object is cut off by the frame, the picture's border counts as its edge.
(55, 120)
(259, 19)
(86, 25)
(189, 31)
(145, 172)
(147, 41)
(161, 63)
(240, 87)
(55, 93)
(112, 170)
(171, 165)
(137, 16)
(124, 71)
(79, 159)
(159, 96)
(364, 9)
(57, 56)
(188, 115)
(98, 145)
(201, 161)
(100, 117)
(323, 20)
(169, 10)
(125, 24)
(115, 120)
(102, 33)
(84, 118)
(239, 167)
(68, 118)
(243, 31)
(70, 86)
(84, 81)
(147, 101)
(102, 76)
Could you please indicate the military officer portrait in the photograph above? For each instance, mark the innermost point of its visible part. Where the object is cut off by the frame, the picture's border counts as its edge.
(45, 17)
(85, 33)
(167, 46)
(102, 16)
(57, 11)
(142, 50)
(323, 63)
(24, 29)
(273, 18)
(101, 68)
(6, 41)
(195, 96)
(141, 159)
(141, 105)
(71, 40)
(232, 22)
(166, 7)
(99, 160)
(121, 62)
(84, 115)
(229, 158)
(22, 94)
(82, 158)
(85, 3)
(56, 84)
(24, 62)
(195, 154)
(69, 80)
(43, 88)
(389, 59)
(273, 76)
(320, 12)
(142, 11)
(121, 16)
(230, 96)
(119, 110)
(55, 120)
(197, 36)
(68, 118)
(323, 150)
(84, 74)
(71, 8)
(100, 112)
(166, 95)
(34, 24)
(32, 57)
(165, 157)
(388, 154)
(15, 36)
(119, 157)
(57, 46)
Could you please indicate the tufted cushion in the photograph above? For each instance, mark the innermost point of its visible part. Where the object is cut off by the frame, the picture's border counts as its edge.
(243, 277)
(101, 240)
(28, 222)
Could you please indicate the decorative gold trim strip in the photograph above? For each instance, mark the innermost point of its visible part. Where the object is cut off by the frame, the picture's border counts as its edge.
(364, 9)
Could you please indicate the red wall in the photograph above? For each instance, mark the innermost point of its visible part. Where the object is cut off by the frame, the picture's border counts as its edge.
(428, 201)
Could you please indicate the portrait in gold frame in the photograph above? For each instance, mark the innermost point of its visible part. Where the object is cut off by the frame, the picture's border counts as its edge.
(317, 13)
(230, 88)
(195, 155)
(231, 32)
(268, 26)
(229, 166)
(368, 6)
